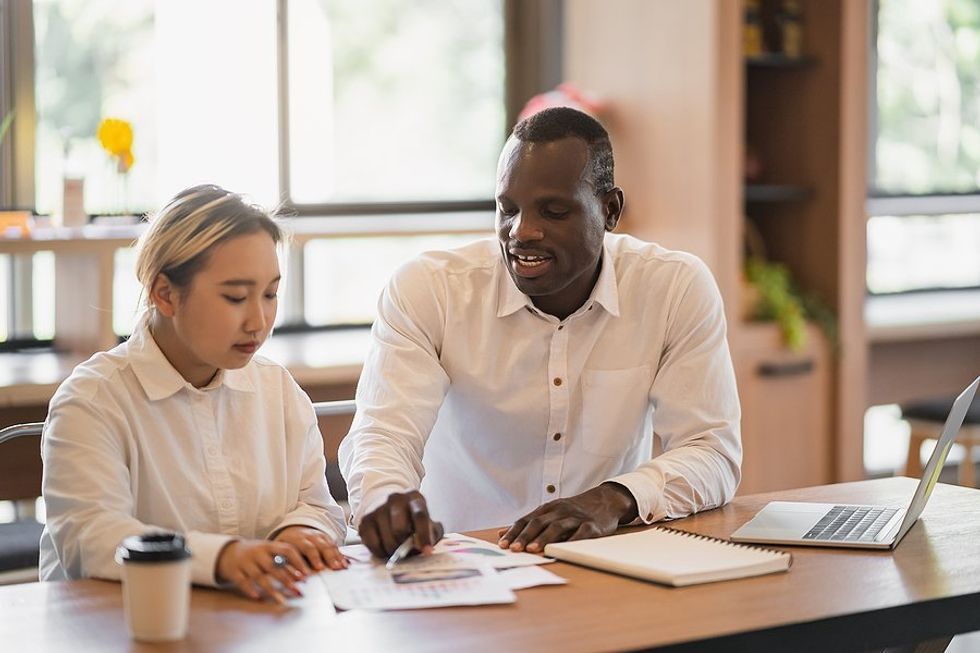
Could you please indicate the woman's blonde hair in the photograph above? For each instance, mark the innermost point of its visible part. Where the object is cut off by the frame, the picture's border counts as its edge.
(182, 235)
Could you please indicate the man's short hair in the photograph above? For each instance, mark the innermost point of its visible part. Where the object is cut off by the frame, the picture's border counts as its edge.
(557, 123)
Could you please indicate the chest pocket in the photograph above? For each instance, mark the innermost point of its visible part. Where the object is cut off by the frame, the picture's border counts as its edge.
(614, 403)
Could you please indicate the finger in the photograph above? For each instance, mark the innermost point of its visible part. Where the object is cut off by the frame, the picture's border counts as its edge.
(531, 530)
(265, 583)
(285, 579)
(400, 519)
(388, 540)
(244, 585)
(556, 531)
(438, 530)
(297, 563)
(331, 554)
(312, 553)
(508, 537)
(421, 524)
(370, 538)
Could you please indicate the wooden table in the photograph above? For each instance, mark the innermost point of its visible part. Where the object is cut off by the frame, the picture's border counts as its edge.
(831, 600)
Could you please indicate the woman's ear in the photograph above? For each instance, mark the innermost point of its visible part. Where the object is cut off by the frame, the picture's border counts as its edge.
(163, 295)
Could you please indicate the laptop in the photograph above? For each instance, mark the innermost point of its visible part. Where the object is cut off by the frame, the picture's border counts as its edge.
(848, 525)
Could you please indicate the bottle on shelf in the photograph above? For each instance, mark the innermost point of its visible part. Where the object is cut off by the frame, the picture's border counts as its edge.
(791, 29)
(752, 39)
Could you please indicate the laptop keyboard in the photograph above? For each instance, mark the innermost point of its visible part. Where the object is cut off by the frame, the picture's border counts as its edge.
(851, 524)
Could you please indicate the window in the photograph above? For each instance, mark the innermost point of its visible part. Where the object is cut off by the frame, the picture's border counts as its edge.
(924, 231)
(326, 107)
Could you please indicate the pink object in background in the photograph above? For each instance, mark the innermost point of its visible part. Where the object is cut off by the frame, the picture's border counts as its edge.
(564, 95)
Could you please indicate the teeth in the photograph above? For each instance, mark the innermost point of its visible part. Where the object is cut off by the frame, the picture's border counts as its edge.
(530, 260)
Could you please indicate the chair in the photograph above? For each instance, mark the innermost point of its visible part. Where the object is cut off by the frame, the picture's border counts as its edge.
(19, 539)
(926, 419)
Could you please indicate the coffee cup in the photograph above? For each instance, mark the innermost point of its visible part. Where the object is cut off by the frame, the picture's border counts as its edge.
(156, 585)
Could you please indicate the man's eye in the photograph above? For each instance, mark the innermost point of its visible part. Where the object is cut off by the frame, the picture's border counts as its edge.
(555, 212)
(234, 300)
(506, 211)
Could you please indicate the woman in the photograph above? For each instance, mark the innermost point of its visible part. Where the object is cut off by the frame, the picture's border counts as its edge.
(182, 428)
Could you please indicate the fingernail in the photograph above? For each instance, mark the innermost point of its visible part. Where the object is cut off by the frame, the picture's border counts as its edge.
(533, 546)
(503, 544)
(516, 546)
(335, 564)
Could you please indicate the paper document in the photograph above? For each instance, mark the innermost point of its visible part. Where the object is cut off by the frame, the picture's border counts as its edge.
(372, 587)
(520, 578)
(467, 550)
(461, 571)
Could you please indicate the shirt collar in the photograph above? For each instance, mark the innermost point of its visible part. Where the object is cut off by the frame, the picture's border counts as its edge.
(159, 378)
(605, 293)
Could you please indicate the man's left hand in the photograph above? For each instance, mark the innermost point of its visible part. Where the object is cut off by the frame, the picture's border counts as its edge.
(593, 513)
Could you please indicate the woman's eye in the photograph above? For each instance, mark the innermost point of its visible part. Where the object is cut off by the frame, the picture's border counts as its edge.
(234, 300)
(271, 295)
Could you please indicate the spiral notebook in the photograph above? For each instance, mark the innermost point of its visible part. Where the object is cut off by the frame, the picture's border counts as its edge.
(672, 557)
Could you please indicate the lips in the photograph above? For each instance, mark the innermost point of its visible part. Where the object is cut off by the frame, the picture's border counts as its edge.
(529, 263)
(247, 348)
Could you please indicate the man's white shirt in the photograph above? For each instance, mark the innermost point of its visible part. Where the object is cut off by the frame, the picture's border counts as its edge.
(131, 447)
(493, 408)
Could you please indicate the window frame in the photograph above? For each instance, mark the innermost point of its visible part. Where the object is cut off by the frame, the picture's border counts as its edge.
(533, 56)
(879, 203)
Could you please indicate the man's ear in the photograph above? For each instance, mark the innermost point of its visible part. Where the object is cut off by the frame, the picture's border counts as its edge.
(612, 204)
(164, 296)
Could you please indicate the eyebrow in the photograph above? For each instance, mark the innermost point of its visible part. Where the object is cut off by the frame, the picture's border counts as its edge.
(246, 282)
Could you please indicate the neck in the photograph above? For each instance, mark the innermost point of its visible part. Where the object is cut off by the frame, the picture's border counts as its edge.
(571, 298)
(177, 354)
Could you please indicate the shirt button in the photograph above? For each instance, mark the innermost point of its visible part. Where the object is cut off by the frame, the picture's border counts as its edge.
(561, 326)
(551, 489)
(557, 381)
(212, 451)
(226, 504)
(557, 437)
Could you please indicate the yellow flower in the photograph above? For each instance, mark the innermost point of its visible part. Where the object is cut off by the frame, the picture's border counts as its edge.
(116, 138)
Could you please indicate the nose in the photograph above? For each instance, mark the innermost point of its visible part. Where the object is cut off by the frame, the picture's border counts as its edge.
(255, 318)
(524, 228)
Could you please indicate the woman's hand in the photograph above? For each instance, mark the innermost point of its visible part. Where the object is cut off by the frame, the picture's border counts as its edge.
(316, 546)
(254, 566)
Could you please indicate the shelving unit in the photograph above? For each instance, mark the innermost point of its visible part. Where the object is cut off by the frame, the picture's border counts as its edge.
(680, 133)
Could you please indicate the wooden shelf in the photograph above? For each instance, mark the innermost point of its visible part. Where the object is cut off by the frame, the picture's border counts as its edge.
(780, 61)
(776, 193)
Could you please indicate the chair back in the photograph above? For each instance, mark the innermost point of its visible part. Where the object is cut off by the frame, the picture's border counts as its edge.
(20, 461)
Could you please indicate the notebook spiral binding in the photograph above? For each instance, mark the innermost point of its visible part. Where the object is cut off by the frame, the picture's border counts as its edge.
(709, 538)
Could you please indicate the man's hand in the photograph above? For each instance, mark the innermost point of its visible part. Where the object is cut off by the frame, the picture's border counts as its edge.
(593, 513)
(400, 516)
(316, 546)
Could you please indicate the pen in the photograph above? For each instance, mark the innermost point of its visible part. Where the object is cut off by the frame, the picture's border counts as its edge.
(402, 552)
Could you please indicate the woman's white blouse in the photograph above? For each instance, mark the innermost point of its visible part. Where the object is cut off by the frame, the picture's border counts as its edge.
(129, 446)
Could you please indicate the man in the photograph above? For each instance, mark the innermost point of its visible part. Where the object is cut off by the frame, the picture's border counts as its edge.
(520, 382)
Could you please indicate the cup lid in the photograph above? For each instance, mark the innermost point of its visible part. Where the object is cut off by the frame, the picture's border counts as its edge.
(153, 547)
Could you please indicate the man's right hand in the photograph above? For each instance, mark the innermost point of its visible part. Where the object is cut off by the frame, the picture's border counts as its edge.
(400, 516)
